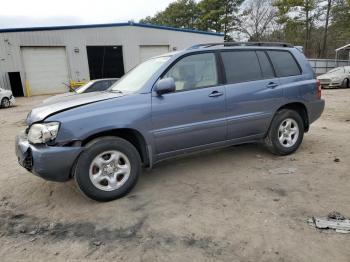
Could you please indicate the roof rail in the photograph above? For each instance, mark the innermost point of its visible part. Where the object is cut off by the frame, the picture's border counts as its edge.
(280, 44)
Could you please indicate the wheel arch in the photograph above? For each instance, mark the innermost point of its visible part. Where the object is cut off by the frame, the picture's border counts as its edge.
(131, 135)
(2, 99)
(301, 109)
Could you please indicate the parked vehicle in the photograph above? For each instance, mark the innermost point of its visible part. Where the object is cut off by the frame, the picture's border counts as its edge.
(6, 98)
(96, 85)
(208, 96)
(335, 78)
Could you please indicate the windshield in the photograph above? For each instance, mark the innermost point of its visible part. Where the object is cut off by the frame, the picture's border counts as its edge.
(137, 77)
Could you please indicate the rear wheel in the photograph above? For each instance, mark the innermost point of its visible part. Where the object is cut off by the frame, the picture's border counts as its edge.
(108, 168)
(5, 102)
(285, 133)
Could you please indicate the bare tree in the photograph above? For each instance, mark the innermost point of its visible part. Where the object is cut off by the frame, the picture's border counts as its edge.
(256, 20)
(325, 35)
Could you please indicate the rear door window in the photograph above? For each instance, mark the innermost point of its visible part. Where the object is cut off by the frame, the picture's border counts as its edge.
(266, 67)
(241, 66)
(284, 63)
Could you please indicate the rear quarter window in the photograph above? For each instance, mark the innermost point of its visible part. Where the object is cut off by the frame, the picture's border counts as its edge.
(284, 63)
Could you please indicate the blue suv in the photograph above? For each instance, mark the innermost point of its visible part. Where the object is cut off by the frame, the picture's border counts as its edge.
(208, 96)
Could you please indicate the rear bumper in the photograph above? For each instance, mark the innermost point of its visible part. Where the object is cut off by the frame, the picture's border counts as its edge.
(315, 109)
(48, 162)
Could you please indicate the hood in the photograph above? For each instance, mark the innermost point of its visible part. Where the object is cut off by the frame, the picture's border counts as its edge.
(331, 75)
(5, 92)
(58, 98)
(64, 103)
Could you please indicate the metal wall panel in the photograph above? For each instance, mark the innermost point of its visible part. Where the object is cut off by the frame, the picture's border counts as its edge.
(46, 69)
(322, 66)
(148, 51)
(76, 40)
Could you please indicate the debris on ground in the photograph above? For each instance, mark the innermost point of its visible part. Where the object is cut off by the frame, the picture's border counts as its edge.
(334, 220)
(336, 160)
(283, 171)
(97, 243)
(336, 215)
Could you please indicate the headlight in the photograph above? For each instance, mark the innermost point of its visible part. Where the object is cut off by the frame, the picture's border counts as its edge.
(336, 79)
(42, 133)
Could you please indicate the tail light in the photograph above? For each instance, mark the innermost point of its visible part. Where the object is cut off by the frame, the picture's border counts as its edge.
(318, 89)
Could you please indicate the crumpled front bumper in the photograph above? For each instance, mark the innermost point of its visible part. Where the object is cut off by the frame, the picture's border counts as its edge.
(53, 163)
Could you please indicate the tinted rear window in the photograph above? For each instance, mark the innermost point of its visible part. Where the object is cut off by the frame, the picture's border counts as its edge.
(284, 63)
(265, 65)
(241, 66)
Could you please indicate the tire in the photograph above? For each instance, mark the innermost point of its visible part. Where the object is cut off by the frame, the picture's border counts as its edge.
(101, 171)
(275, 140)
(345, 83)
(5, 102)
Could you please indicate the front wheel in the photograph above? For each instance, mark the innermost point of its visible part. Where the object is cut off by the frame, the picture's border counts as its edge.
(5, 102)
(108, 168)
(346, 83)
(285, 133)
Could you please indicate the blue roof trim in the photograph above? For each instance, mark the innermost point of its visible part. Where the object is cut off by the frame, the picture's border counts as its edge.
(48, 28)
(176, 29)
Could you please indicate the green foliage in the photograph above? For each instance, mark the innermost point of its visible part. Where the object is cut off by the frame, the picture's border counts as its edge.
(218, 15)
(295, 13)
(341, 21)
(181, 14)
(319, 25)
(208, 15)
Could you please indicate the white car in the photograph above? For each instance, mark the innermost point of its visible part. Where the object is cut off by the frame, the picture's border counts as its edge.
(6, 98)
(91, 86)
(337, 77)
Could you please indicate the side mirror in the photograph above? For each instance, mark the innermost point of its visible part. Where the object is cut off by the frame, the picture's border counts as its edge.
(166, 85)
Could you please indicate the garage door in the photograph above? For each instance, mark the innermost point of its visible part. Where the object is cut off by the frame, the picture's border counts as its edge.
(46, 69)
(148, 51)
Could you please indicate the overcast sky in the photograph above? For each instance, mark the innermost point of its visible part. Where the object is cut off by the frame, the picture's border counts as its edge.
(28, 13)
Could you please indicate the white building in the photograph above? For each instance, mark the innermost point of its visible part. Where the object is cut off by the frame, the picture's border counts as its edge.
(39, 60)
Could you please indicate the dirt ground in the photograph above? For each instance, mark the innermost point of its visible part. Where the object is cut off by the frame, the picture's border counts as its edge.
(236, 204)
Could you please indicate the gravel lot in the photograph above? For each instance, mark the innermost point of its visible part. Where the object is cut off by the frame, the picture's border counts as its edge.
(236, 204)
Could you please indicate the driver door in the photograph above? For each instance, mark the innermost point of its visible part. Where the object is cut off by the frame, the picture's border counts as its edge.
(193, 116)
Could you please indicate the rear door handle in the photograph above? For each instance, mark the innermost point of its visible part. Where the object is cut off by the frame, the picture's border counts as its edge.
(215, 94)
(272, 85)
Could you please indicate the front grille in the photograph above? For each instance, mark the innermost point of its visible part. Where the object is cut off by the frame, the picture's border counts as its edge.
(28, 161)
(325, 81)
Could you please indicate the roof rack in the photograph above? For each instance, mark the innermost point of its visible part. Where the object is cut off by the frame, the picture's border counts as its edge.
(279, 44)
